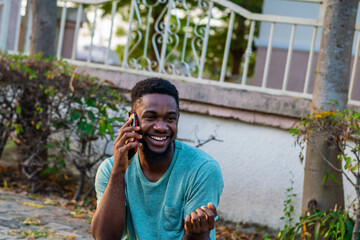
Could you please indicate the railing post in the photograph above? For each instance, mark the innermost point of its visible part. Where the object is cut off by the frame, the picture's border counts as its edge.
(131, 19)
(147, 31)
(288, 59)
(248, 52)
(355, 66)
(92, 35)
(165, 37)
(18, 26)
(61, 31)
(186, 36)
(309, 65)
(227, 46)
(4, 24)
(28, 28)
(113, 11)
(268, 56)
(77, 28)
(205, 43)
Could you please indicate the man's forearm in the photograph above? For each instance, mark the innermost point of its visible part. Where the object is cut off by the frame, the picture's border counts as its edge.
(200, 236)
(109, 219)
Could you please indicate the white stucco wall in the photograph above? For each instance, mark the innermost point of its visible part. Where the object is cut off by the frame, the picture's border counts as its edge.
(256, 162)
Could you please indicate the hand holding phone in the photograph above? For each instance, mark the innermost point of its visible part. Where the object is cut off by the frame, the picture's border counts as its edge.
(132, 151)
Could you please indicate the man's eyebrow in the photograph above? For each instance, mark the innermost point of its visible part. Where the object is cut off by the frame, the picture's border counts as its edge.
(154, 112)
(150, 112)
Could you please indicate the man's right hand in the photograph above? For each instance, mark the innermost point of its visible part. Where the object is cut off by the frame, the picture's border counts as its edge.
(122, 145)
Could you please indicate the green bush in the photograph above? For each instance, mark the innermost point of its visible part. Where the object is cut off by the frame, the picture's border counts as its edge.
(55, 115)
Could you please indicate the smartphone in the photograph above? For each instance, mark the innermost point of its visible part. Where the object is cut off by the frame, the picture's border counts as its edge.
(135, 122)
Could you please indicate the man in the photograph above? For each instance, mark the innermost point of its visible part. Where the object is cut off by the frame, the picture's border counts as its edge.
(167, 190)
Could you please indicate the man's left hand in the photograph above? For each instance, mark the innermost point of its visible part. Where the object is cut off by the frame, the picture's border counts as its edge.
(201, 221)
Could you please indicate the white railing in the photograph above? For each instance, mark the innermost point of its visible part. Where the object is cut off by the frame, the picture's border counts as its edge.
(184, 54)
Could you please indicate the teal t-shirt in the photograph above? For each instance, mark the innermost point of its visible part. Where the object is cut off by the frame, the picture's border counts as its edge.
(156, 210)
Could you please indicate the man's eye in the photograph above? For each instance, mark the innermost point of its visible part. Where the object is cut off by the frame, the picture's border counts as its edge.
(172, 118)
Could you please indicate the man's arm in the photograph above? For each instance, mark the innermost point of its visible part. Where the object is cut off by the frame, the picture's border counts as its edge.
(199, 223)
(110, 217)
(204, 189)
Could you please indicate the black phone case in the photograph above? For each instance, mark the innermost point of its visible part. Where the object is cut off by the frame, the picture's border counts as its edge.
(132, 151)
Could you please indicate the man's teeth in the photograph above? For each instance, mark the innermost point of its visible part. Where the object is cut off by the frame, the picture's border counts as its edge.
(158, 138)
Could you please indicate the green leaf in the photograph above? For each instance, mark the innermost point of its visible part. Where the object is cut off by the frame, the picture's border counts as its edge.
(19, 129)
(347, 165)
(38, 124)
(10, 143)
(18, 110)
(119, 119)
(293, 131)
(88, 129)
(317, 230)
(75, 115)
(333, 178)
(354, 168)
(103, 111)
(90, 102)
(109, 127)
(102, 127)
(325, 177)
(39, 109)
(48, 171)
(91, 115)
(349, 227)
(342, 229)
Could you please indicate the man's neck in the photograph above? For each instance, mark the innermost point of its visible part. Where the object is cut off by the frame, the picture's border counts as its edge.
(155, 166)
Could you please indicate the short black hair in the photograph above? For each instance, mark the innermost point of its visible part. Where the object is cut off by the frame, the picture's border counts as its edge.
(153, 85)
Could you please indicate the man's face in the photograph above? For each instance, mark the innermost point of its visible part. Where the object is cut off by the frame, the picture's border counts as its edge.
(158, 118)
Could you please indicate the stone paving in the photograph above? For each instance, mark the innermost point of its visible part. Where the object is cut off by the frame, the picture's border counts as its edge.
(24, 218)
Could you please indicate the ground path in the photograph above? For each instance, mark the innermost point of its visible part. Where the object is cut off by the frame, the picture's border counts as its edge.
(22, 217)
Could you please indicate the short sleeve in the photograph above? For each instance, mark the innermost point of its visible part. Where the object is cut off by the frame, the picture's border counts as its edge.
(102, 178)
(206, 186)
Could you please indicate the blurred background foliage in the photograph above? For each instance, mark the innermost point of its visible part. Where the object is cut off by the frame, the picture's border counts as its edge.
(56, 119)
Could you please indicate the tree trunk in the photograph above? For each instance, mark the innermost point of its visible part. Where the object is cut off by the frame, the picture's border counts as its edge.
(4, 135)
(43, 38)
(237, 56)
(43, 32)
(237, 49)
(331, 83)
(80, 187)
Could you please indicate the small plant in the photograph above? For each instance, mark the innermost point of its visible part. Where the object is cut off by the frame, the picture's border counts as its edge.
(337, 127)
(333, 224)
(288, 212)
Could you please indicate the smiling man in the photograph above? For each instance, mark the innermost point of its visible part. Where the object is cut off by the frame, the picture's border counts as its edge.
(167, 190)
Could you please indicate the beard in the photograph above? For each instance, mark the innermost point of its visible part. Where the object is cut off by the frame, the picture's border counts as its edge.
(153, 157)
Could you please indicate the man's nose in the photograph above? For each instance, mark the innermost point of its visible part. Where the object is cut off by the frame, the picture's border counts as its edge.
(161, 126)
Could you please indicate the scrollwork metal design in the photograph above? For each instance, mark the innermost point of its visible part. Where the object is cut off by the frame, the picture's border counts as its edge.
(171, 24)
